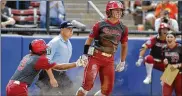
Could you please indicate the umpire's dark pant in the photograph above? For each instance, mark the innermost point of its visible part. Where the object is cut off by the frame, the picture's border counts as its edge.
(64, 88)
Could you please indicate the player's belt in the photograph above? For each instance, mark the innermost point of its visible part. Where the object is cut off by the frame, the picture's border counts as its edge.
(180, 72)
(103, 53)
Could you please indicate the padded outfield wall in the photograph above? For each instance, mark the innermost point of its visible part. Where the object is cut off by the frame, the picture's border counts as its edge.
(127, 83)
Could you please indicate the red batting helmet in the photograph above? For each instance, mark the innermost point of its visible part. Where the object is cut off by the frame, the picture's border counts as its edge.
(113, 5)
(38, 46)
(162, 26)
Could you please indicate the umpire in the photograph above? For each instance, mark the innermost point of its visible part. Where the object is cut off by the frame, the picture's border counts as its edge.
(60, 52)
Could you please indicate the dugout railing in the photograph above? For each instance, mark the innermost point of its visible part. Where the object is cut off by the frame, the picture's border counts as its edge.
(77, 31)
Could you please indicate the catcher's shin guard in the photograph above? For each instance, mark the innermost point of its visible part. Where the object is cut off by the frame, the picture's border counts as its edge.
(149, 63)
(149, 68)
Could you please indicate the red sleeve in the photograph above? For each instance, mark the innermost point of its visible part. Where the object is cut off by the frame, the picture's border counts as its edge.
(124, 38)
(43, 63)
(95, 31)
(150, 43)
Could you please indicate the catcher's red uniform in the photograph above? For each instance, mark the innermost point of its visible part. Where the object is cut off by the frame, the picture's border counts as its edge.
(155, 44)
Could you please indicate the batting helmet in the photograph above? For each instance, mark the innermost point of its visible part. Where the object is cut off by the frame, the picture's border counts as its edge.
(38, 46)
(113, 5)
(162, 26)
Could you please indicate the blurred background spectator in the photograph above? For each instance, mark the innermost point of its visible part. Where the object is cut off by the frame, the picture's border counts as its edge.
(167, 11)
(148, 8)
(137, 12)
(6, 19)
(167, 5)
(126, 4)
(144, 13)
(57, 13)
(173, 24)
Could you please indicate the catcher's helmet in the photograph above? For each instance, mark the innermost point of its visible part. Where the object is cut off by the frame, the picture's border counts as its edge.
(113, 5)
(162, 26)
(38, 46)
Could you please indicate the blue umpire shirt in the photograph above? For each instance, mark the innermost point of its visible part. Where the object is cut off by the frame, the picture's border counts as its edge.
(60, 50)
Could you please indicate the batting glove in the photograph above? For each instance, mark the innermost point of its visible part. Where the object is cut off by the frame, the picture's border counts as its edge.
(139, 62)
(120, 67)
(82, 61)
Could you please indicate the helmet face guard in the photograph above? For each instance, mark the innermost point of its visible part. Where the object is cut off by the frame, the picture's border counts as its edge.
(114, 5)
(38, 46)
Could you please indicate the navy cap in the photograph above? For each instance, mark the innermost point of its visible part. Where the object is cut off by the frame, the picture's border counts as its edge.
(66, 24)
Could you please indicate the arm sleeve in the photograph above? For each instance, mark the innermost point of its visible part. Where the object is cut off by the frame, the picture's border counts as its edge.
(52, 46)
(125, 36)
(43, 63)
(95, 31)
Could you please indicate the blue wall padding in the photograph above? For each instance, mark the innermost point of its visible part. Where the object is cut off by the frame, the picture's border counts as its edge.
(127, 83)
